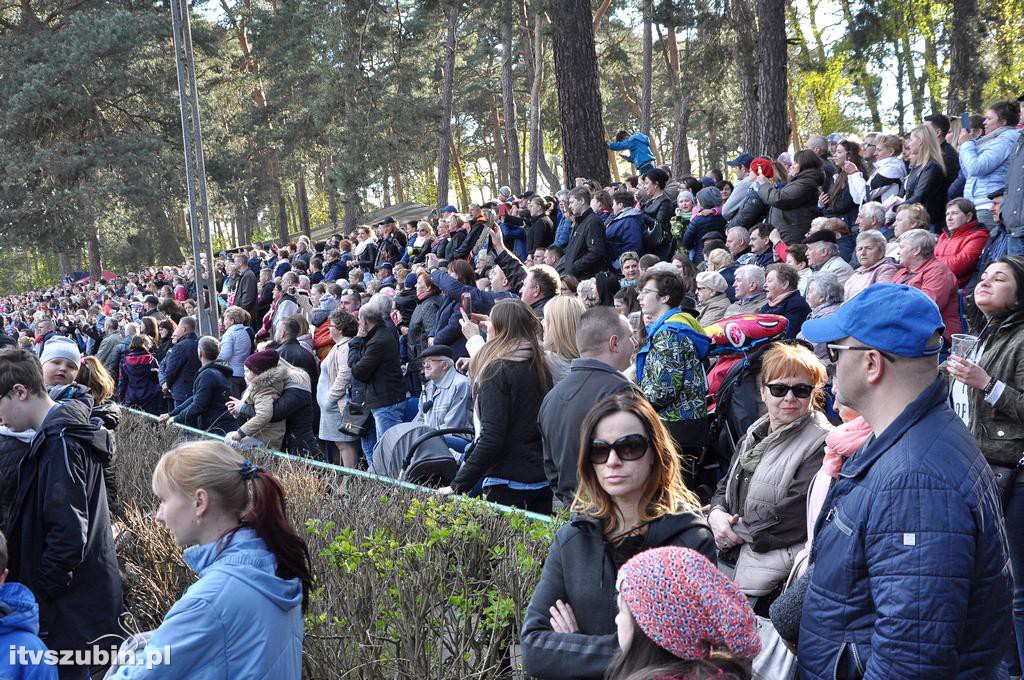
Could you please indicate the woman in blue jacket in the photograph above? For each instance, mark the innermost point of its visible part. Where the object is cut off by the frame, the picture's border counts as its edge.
(986, 160)
(236, 345)
(243, 617)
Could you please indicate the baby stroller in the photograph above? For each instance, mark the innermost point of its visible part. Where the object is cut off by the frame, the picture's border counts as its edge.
(415, 453)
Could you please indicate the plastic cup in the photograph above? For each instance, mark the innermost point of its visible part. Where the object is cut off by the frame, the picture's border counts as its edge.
(963, 344)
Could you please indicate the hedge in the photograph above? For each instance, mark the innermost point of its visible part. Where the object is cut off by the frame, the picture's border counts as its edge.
(406, 585)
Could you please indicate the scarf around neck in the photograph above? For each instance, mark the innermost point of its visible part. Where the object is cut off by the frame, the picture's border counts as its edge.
(751, 456)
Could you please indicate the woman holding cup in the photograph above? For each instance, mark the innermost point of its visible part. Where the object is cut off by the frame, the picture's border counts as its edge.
(987, 391)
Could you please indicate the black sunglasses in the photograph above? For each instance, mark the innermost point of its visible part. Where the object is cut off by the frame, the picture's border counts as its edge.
(781, 389)
(834, 350)
(630, 447)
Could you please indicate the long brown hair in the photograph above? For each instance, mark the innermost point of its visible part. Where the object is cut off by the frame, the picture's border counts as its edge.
(852, 155)
(664, 493)
(514, 327)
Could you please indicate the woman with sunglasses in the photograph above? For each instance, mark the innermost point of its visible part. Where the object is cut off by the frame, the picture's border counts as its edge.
(757, 514)
(631, 498)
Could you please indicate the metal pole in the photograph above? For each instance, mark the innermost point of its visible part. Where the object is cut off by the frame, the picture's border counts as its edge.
(195, 171)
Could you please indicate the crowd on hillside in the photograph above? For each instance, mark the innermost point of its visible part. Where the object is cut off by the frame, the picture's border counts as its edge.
(784, 410)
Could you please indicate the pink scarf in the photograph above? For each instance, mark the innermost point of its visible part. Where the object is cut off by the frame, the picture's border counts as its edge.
(843, 442)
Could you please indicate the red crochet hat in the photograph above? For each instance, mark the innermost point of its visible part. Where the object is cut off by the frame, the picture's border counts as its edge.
(764, 165)
(686, 606)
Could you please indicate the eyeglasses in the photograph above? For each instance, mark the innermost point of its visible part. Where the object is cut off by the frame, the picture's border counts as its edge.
(800, 391)
(652, 291)
(833, 352)
(630, 447)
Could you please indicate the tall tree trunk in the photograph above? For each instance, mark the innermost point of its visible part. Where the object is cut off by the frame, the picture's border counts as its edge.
(498, 137)
(745, 25)
(386, 189)
(680, 145)
(460, 176)
(794, 122)
(901, 104)
(772, 84)
(965, 77)
(932, 66)
(537, 80)
(302, 203)
(647, 69)
(396, 170)
(916, 99)
(554, 184)
(282, 210)
(447, 91)
(168, 248)
(579, 91)
(515, 169)
(351, 209)
(95, 265)
(860, 66)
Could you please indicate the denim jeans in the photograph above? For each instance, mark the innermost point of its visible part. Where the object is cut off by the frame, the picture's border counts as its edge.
(1015, 245)
(1015, 538)
(384, 418)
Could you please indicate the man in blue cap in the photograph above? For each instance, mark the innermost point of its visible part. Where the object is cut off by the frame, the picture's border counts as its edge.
(910, 569)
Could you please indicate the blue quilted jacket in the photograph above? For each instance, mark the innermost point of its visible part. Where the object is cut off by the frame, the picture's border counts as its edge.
(911, 575)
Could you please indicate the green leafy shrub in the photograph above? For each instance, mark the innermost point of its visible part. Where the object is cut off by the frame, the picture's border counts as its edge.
(407, 585)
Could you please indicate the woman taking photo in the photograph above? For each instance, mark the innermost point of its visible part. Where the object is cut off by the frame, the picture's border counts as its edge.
(631, 498)
(985, 161)
(703, 625)
(986, 391)
(793, 205)
(757, 514)
(509, 378)
(926, 184)
(243, 617)
(840, 201)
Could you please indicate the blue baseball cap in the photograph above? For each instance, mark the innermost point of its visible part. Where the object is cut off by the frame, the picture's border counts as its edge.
(743, 159)
(886, 316)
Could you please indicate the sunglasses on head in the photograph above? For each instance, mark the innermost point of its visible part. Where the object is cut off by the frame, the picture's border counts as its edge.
(630, 447)
(799, 391)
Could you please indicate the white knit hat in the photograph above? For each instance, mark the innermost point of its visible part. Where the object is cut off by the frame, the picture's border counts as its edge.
(712, 280)
(60, 347)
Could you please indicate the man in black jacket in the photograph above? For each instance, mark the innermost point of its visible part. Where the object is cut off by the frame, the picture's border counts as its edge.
(246, 286)
(585, 256)
(605, 340)
(391, 246)
(950, 158)
(379, 368)
(59, 534)
(206, 409)
(181, 364)
(294, 353)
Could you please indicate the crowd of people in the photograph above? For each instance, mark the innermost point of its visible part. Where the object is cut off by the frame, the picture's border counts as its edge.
(784, 411)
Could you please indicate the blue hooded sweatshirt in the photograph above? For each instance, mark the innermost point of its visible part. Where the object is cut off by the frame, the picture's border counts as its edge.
(19, 629)
(639, 148)
(239, 620)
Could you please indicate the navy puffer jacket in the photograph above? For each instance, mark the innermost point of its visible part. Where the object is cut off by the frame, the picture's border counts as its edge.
(911, 576)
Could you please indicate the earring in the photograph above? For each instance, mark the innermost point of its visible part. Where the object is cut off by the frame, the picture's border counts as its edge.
(198, 520)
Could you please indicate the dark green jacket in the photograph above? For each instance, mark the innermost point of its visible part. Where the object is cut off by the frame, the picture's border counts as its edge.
(999, 429)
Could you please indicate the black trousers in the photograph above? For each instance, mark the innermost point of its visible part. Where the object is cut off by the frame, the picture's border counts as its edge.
(537, 500)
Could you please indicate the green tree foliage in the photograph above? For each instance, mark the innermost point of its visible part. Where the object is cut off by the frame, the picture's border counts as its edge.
(314, 111)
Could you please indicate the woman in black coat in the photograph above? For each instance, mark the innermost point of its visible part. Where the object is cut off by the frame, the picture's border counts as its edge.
(794, 205)
(509, 378)
(926, 183)
(658, 210)
(631, 498)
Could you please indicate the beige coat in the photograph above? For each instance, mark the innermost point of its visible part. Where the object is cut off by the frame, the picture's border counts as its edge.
(261, 393)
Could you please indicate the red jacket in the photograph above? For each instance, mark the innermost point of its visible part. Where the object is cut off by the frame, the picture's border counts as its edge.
(936, 281)
(961, 250)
